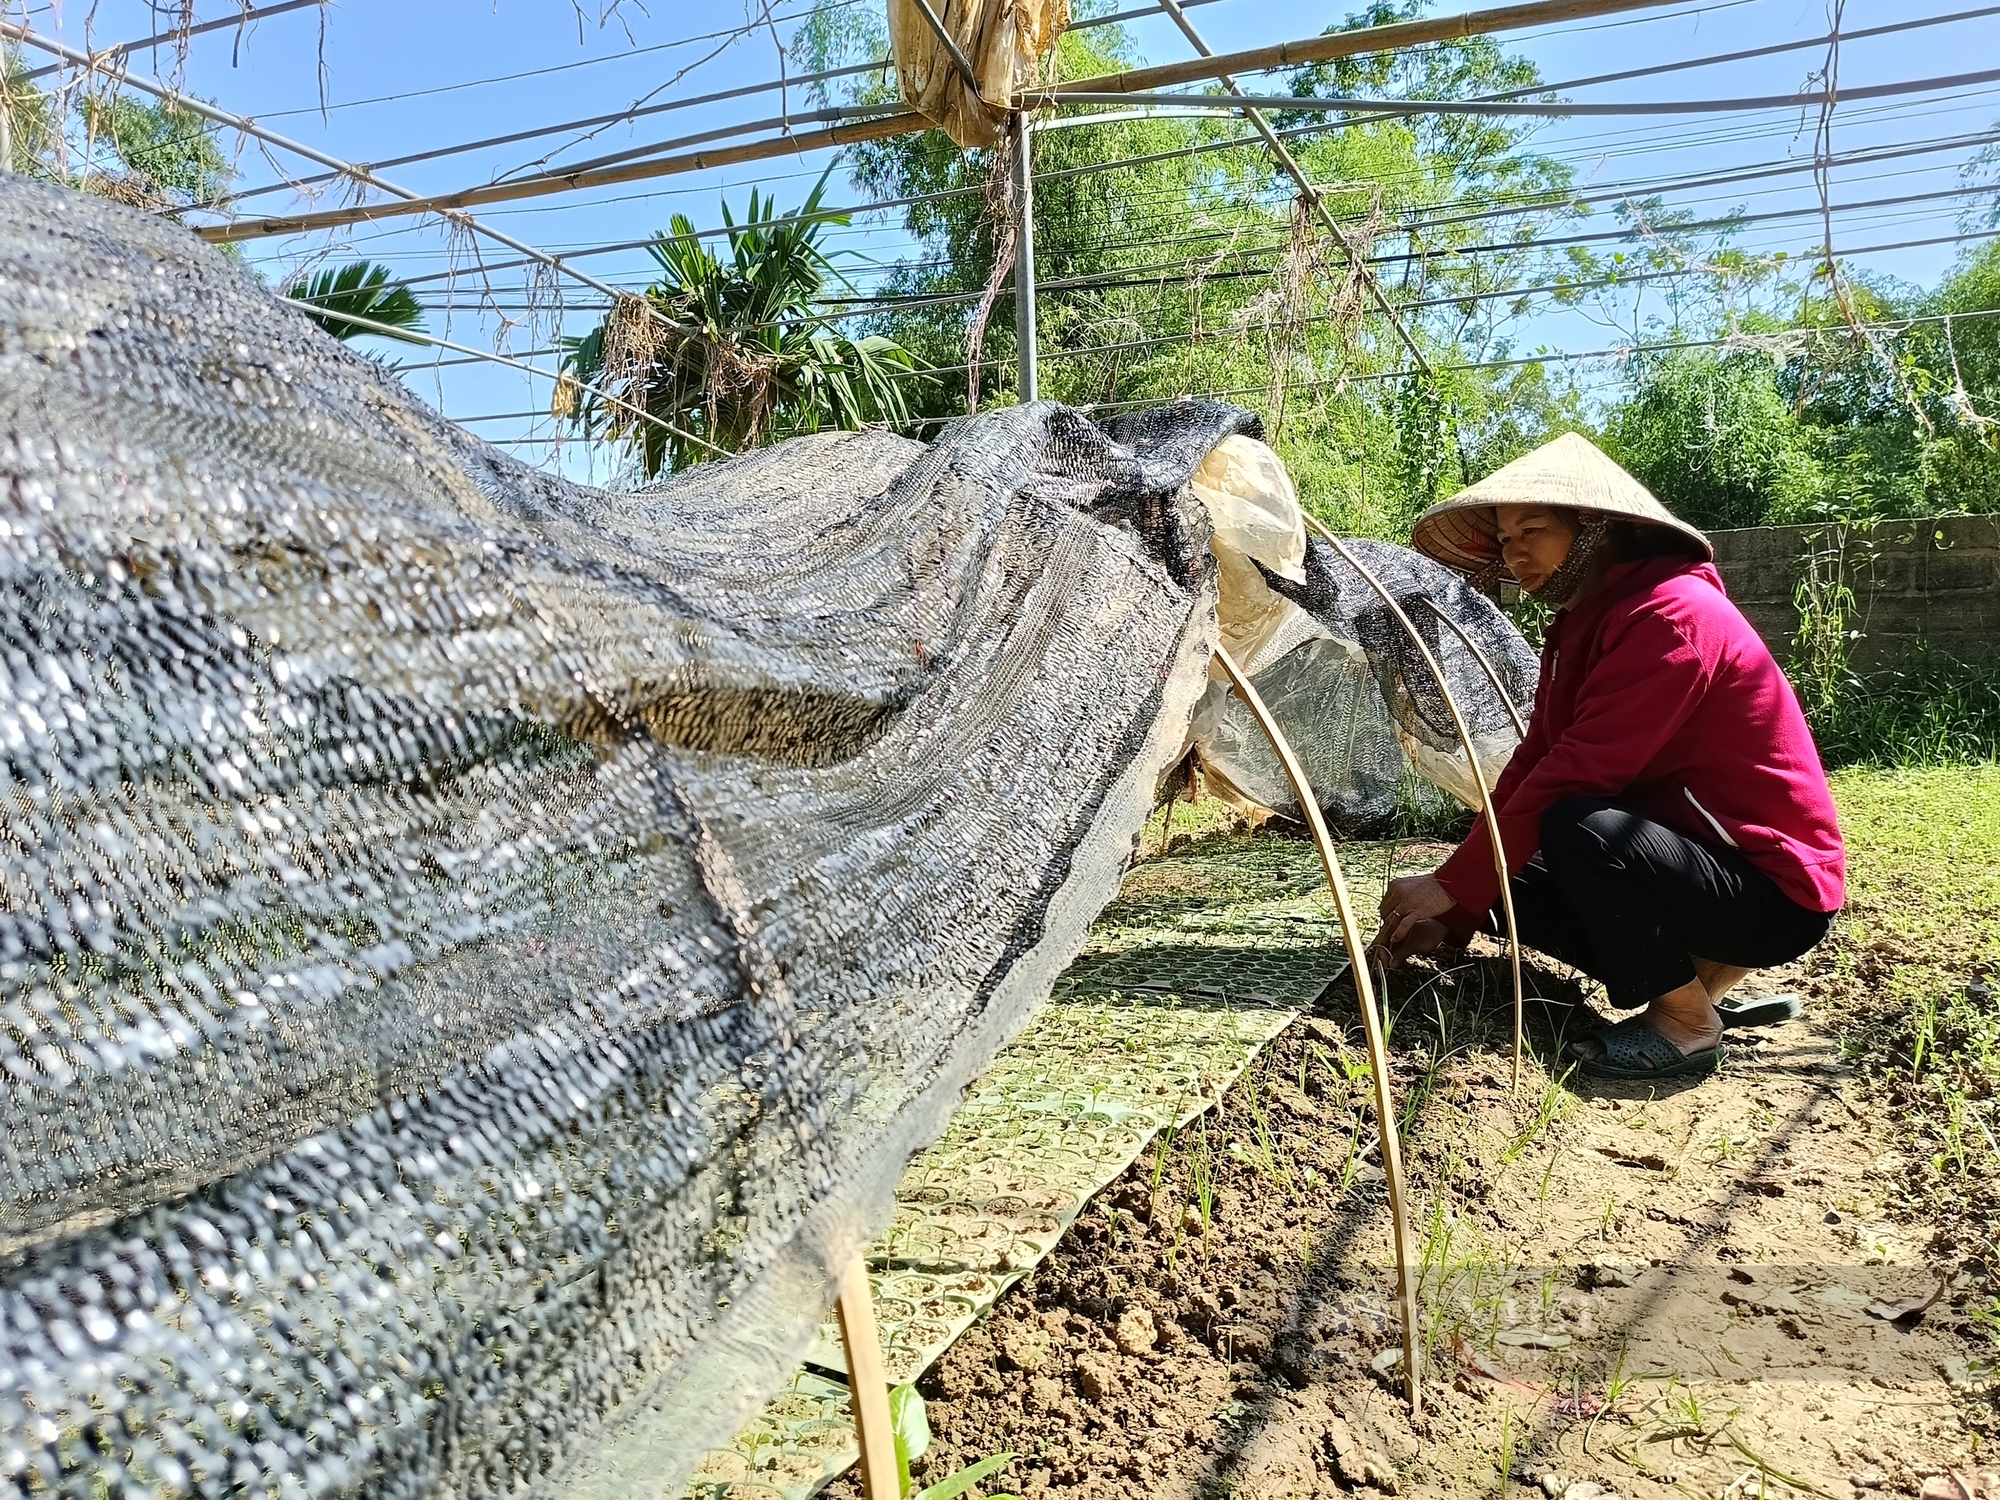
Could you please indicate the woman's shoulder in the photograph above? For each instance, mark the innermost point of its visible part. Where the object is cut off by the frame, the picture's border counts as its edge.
(1682, 589)
(1689, 598)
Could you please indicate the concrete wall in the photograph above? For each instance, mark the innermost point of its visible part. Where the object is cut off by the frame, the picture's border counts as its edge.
(1938, 580)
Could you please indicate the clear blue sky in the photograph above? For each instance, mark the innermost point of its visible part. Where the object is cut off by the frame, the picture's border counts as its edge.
(406, 75)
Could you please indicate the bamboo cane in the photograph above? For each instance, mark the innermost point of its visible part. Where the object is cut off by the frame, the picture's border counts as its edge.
(1472, 759)
(1371, 1021)
(868, 1385)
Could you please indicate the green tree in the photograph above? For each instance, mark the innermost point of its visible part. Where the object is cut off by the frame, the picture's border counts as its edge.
(27, 117)
(163, 155)
(1174, 256)
(1712, 435)
(362, 289)
(151, 154)
(731, 352)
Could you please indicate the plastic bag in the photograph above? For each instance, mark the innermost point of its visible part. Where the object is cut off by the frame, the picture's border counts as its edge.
(1002, 39)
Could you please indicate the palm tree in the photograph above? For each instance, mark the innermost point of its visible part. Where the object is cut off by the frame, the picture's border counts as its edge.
(731, 352)
(359, 290)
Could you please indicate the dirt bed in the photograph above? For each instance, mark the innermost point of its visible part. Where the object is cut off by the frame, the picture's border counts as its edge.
(1690, 1290)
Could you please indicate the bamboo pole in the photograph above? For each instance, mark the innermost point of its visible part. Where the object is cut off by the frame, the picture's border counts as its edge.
(546, 183)
(1371, 1020)
(1136, 80)
(868, 1385)
(1478, 775)
(1465, 639)
(1333, 44)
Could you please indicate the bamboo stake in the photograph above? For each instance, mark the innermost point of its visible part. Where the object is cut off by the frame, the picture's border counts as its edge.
(868, 1385)
(1478, 775)
(1371, 1021)
(1465, 640)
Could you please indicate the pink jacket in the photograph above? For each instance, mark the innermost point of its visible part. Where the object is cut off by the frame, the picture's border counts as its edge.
(1656, 691)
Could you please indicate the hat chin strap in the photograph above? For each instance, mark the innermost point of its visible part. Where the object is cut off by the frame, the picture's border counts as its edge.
(1561, 589)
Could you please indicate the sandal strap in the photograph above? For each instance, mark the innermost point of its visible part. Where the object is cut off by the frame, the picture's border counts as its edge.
(1637, 1044)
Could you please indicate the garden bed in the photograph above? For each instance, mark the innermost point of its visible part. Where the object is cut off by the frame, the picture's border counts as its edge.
(1692, 1289)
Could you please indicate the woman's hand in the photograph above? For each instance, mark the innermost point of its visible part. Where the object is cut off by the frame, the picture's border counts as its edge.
(1410, 911)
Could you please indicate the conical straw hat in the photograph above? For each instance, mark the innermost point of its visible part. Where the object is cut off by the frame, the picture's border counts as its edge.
(1572, 471)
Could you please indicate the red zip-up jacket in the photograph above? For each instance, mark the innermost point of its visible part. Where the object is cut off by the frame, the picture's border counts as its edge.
(1655, 691)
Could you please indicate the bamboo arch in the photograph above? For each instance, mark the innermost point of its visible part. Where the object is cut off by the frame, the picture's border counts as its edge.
(1472, 759)
(1371, 1020)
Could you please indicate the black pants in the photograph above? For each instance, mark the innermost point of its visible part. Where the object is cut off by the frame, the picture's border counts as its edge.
(1628, 901)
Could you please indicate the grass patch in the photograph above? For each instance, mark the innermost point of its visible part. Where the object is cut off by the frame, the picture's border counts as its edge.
(1915, 970)
(1930, 709)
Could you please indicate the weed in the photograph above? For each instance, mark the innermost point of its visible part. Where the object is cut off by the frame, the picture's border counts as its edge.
(1201, 1177)
(1550, 1106)
(1923, 1028)
(1266, 1158)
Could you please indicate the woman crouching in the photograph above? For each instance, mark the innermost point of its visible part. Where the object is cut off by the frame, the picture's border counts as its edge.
(1666, 822)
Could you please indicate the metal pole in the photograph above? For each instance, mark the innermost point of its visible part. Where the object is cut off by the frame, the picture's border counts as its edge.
(118, 72)
(1371, 1022)
(1024, 255)
(952, 50)
(1314, 198)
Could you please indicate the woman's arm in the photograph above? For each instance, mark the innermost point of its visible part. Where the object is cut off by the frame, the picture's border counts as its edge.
(1637, 696)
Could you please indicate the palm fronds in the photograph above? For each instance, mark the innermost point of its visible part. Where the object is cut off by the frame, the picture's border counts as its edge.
(733, 350)
(362, 289)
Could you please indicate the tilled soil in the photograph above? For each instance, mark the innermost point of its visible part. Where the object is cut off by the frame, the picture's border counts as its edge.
(1702, 1290)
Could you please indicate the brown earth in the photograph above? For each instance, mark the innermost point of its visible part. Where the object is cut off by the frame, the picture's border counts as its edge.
(1688, 1289)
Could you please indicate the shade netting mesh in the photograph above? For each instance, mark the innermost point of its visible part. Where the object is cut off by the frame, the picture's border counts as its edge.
(476, 951)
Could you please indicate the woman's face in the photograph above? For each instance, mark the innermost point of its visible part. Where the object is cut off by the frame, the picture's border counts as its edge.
(1534, 540)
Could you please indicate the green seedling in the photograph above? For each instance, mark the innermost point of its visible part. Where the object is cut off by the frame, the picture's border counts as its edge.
(1352, 1165)
(1766, 1472)
(1201, 1177)
(911, 1425)
(1266, 1158)
(1548, 1172)
(1160, 1160)
(1552, 1104)
(1506, 1450)
(951, 1487)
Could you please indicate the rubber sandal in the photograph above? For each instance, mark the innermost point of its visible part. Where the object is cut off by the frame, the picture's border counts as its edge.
(1762, 1010)
(1634, 1049)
